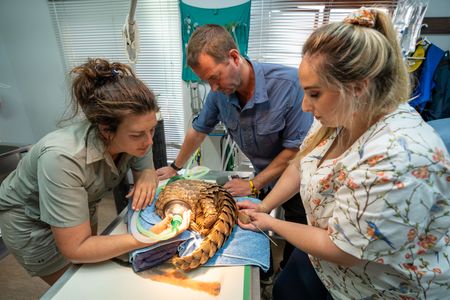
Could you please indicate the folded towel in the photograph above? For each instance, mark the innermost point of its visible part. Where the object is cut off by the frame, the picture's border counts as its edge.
(150, 258)
(243, 247)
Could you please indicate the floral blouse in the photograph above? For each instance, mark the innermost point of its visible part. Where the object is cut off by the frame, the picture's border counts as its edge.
(385, 201)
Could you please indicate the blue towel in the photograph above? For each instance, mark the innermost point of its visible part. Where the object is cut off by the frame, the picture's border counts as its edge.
(422, 92)
(243, 247)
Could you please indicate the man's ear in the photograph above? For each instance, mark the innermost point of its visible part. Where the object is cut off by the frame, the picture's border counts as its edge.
(235, 56)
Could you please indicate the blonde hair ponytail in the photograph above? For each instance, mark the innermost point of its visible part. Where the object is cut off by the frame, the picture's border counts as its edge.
(362, 48)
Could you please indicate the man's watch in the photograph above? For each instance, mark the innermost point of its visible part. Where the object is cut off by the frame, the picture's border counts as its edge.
(174, 166)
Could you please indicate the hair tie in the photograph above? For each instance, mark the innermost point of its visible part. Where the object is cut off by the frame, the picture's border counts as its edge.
(361, 17)
(114, 73)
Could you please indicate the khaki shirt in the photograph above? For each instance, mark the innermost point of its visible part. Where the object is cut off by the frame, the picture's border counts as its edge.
(65, 175)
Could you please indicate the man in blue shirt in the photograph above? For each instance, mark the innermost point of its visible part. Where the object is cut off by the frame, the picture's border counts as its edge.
(259, 104)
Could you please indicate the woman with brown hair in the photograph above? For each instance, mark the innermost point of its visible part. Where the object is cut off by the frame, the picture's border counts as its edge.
(48, 205)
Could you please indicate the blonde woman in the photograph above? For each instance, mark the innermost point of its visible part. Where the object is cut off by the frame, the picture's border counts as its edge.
(373, 176)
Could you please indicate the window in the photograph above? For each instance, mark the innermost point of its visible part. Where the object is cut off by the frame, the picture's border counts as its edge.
(279, 28)
(93, 28)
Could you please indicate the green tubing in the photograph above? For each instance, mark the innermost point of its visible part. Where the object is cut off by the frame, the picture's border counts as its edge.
(175, 224)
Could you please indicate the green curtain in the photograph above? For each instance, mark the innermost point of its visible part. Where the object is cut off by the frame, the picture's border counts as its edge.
(235, 18)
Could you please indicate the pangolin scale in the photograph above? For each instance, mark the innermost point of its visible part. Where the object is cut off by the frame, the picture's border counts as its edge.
(214, 214)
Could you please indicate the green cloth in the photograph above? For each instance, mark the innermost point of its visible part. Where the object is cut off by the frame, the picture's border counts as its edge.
(235, 18)
(63, 177)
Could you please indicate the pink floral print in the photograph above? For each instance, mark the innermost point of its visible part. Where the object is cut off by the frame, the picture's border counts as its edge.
(386, 201)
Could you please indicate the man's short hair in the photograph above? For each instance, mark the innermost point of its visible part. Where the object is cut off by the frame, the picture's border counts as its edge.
(210, 39)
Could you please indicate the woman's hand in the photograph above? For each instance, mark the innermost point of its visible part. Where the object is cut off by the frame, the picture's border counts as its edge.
(178, 229)
(249, 205)
(255, 220)
(144, 189)
(252, 215)
(166, 224)
(166, 172)
(165, 230)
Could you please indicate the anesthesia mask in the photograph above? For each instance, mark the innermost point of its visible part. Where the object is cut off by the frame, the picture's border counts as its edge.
(175, 214)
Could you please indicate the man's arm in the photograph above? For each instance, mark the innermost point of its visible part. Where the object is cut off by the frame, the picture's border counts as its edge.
(297, 124)
(274, 169)
(240, 187)
(192, 141)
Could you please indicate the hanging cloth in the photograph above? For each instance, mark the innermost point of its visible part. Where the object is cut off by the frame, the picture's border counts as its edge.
(422, 92)
(236, 19)
(439, 106)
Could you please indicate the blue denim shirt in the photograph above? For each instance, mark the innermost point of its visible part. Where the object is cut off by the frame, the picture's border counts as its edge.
(270, 122)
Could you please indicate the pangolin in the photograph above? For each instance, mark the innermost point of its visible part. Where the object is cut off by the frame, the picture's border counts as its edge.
(214, 214)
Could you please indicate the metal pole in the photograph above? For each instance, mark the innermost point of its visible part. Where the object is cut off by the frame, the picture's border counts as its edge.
(131, 18)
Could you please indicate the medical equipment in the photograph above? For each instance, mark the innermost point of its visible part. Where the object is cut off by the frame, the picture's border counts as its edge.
(161, 231)
(407, 19)
(130, 34)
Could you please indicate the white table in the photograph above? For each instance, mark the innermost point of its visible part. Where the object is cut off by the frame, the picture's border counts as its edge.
(110, 280)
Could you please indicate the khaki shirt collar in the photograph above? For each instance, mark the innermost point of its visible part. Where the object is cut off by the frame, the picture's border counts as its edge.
(96, 150)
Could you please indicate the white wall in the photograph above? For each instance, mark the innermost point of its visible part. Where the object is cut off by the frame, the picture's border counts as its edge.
(14, 123)
(439, 8)
(31, 64)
